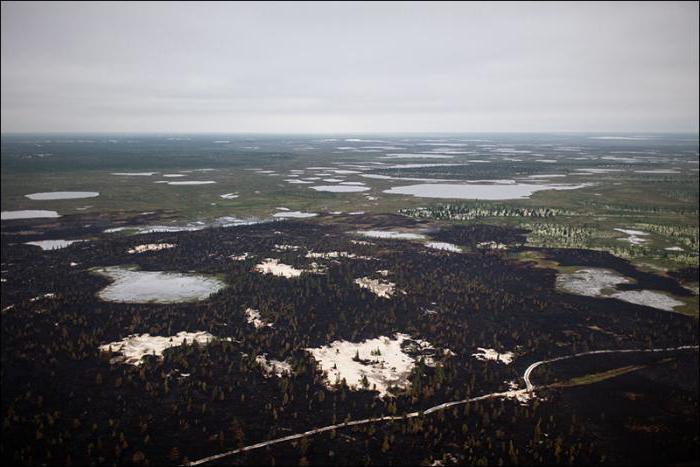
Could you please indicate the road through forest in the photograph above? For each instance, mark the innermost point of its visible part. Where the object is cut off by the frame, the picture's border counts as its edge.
(529, 387)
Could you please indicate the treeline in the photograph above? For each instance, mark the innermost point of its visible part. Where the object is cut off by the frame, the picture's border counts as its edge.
(687, 236)
(637, 209)
(470, 211)
(559, 235)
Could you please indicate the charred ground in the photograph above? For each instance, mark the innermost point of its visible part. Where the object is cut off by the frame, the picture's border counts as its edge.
(64, 401)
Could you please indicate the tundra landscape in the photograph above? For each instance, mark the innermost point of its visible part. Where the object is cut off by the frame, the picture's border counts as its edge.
(349, 233)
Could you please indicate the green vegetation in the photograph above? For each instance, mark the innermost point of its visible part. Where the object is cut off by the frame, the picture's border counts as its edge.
(670, 242)
(479, 210)
(602, 376)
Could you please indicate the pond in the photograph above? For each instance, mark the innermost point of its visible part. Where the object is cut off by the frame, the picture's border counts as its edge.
(134, 286)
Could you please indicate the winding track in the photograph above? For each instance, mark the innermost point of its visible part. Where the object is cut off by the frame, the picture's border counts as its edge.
(526, 376)
(529, 387)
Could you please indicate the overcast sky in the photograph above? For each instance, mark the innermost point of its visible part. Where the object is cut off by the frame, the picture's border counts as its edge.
(349, 67)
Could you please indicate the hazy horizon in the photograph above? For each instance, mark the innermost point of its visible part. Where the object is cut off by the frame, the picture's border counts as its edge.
(367, 133)
(350, 68)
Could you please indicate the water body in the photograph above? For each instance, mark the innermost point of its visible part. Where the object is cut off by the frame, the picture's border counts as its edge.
(133, 286)
(340, 188)
(473, 191)
(28, 214)
(52, 244)
(62, 195)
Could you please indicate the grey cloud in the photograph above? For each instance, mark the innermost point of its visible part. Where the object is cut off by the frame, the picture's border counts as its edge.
(344, 67)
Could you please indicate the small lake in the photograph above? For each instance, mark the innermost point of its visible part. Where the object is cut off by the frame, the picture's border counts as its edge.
(62, 195)
(340, 188)
(133, 286)
(476, 191)
(28, 214)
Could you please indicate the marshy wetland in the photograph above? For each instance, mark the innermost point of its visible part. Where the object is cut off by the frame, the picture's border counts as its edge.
(239, 303)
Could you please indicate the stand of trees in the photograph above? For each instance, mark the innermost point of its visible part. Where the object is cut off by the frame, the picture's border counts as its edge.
(64, 402)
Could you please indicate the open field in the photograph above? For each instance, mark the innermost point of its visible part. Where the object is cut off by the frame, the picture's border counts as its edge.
(649, 185)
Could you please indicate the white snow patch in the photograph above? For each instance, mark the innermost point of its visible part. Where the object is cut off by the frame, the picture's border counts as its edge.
(296, 214)
(417, 156)
(52, 244)
(444, 246)
(136, 346)
(383, 361)
(274, 267)
(377, 176)
(633, 236)
(283, 247)
(599, 171)
(523, 396)
(648, 298)
(589, 282)
(242, 257)
(379, 287)
(193, 182)
(253, 317)
(511, 151)
(492, 245)
(602, 283)
(150, 247)
(485, 354)
(155, 228)
(420, 166)
(42, 297)
(361, 242)
(273, 367)
(657, 171)
(390, 235)
(225, 221)
(330, 254)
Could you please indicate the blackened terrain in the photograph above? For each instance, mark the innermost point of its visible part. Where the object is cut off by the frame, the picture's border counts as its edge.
(63, 401)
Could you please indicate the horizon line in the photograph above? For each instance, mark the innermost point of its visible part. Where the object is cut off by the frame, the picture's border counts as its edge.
(375, 133)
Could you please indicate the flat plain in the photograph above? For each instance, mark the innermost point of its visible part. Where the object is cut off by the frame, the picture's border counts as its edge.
(399, 299)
